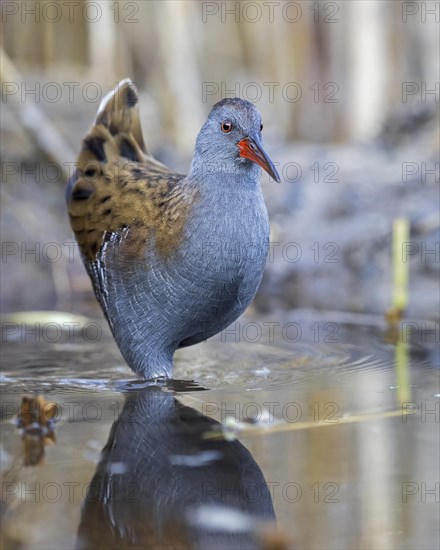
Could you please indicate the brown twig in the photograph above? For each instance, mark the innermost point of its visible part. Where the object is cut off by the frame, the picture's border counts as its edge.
(37, 125)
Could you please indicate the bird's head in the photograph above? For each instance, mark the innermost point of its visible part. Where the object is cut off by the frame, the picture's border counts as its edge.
(230, 141)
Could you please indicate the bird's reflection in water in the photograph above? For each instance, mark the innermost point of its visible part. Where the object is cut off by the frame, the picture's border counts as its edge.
(161, 483)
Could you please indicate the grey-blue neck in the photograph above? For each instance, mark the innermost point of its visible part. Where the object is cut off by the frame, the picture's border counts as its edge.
(219, 173)
(218, 180)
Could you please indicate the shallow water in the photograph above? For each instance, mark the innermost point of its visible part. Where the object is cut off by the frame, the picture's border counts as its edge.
(333, 423)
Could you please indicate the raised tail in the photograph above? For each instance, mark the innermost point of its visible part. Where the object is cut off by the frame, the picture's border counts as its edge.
(119, 113)
(113, 154)
(116, 131)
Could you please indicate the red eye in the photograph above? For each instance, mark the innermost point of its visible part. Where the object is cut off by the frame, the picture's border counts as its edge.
(226, 126)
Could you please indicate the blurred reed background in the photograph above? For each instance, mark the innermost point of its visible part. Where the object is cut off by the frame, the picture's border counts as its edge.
(175, 49)
(329, 73)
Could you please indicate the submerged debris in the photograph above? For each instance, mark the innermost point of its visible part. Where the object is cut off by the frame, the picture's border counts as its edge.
(36, 422)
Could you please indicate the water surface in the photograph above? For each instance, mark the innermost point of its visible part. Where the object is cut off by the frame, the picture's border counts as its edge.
(330, 426)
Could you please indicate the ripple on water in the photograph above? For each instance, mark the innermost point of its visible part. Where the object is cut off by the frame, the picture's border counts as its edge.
(214, 364)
